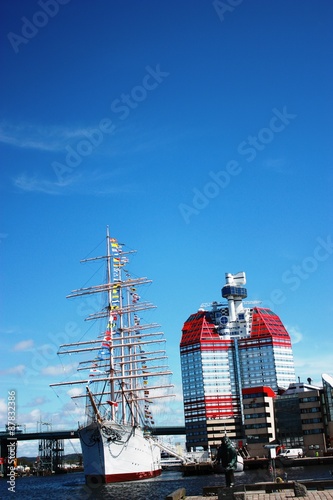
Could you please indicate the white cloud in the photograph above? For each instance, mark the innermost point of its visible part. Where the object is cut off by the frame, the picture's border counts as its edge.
(36, 184)
(59, 369)
(14, 370)
(27, 143)
(38, 401)
(33, 416)
(92, 182)
(66, 179)
(24, 345)
(277, 165)
(10, 331)
(76, 391)
(312, 366)
(27, 449)
(3, 408)
(295, 334)
(38, 137)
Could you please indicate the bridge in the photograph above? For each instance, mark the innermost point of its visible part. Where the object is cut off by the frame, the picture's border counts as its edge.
(74, 434)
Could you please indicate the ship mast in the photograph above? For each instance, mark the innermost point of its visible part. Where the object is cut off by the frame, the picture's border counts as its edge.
(122, 358)
(108, 267)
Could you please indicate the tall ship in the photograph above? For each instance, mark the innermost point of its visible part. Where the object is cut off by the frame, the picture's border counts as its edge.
(123, 371)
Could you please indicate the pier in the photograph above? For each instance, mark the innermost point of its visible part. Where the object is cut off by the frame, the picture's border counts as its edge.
(203, 468)
(312, 490)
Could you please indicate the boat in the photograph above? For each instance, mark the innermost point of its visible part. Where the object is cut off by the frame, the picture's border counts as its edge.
(195, 468)
(124, 371)
(201, 463)
(194, 462)
(170, 463)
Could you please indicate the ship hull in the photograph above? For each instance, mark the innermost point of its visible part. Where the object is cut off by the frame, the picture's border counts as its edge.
(114, 453)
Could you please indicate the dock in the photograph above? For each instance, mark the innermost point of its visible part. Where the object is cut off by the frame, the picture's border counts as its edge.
(263, 463)
(301, 462)
(312, 495)
(202, 468)
(311, 490)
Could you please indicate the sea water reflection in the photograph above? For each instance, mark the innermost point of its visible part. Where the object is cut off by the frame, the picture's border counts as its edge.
(72, 486)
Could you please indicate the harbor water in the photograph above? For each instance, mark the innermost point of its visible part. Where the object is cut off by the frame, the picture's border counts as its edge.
(72, 486)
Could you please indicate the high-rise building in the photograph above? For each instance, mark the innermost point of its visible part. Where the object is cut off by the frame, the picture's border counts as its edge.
(228, 349)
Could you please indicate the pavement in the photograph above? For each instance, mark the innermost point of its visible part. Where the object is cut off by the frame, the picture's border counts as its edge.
(283, 495)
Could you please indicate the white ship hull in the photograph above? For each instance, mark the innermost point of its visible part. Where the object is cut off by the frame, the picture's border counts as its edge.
(114, 453)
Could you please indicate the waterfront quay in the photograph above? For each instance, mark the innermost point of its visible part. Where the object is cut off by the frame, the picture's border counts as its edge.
(311, 495)
(193, 469)
(262, 491)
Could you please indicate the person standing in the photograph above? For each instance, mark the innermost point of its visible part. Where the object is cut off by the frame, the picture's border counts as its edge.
(227, 456)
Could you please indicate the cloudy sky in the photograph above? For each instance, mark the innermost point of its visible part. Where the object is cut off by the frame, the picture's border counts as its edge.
(200, 132)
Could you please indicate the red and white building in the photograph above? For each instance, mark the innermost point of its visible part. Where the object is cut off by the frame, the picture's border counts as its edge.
(227, 352)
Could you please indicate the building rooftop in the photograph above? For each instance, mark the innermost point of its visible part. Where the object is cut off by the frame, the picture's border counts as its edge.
(296, 388)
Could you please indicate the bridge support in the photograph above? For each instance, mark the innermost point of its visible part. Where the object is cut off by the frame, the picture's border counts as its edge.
(50, 456)
(8, 453)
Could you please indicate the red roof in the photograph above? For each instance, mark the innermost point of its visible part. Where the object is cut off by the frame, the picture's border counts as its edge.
(197, 328)
(265, 323)
(263, 389)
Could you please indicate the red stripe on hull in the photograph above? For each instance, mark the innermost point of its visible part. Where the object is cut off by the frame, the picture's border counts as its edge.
(118, 478)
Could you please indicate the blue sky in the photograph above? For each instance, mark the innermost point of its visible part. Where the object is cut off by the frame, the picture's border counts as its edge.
(200, 132)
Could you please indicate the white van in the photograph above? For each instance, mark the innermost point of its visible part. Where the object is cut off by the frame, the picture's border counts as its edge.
(291, 453)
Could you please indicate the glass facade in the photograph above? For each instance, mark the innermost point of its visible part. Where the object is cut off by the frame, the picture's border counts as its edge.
(220, 357)
(237, 291)
(288, 421)
(328, 409)
(328, 396)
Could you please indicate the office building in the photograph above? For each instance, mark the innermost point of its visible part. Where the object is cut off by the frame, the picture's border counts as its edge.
(228, 350)
(304, 417)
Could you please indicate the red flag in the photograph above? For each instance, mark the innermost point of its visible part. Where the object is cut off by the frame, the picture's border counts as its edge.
(113, 403)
